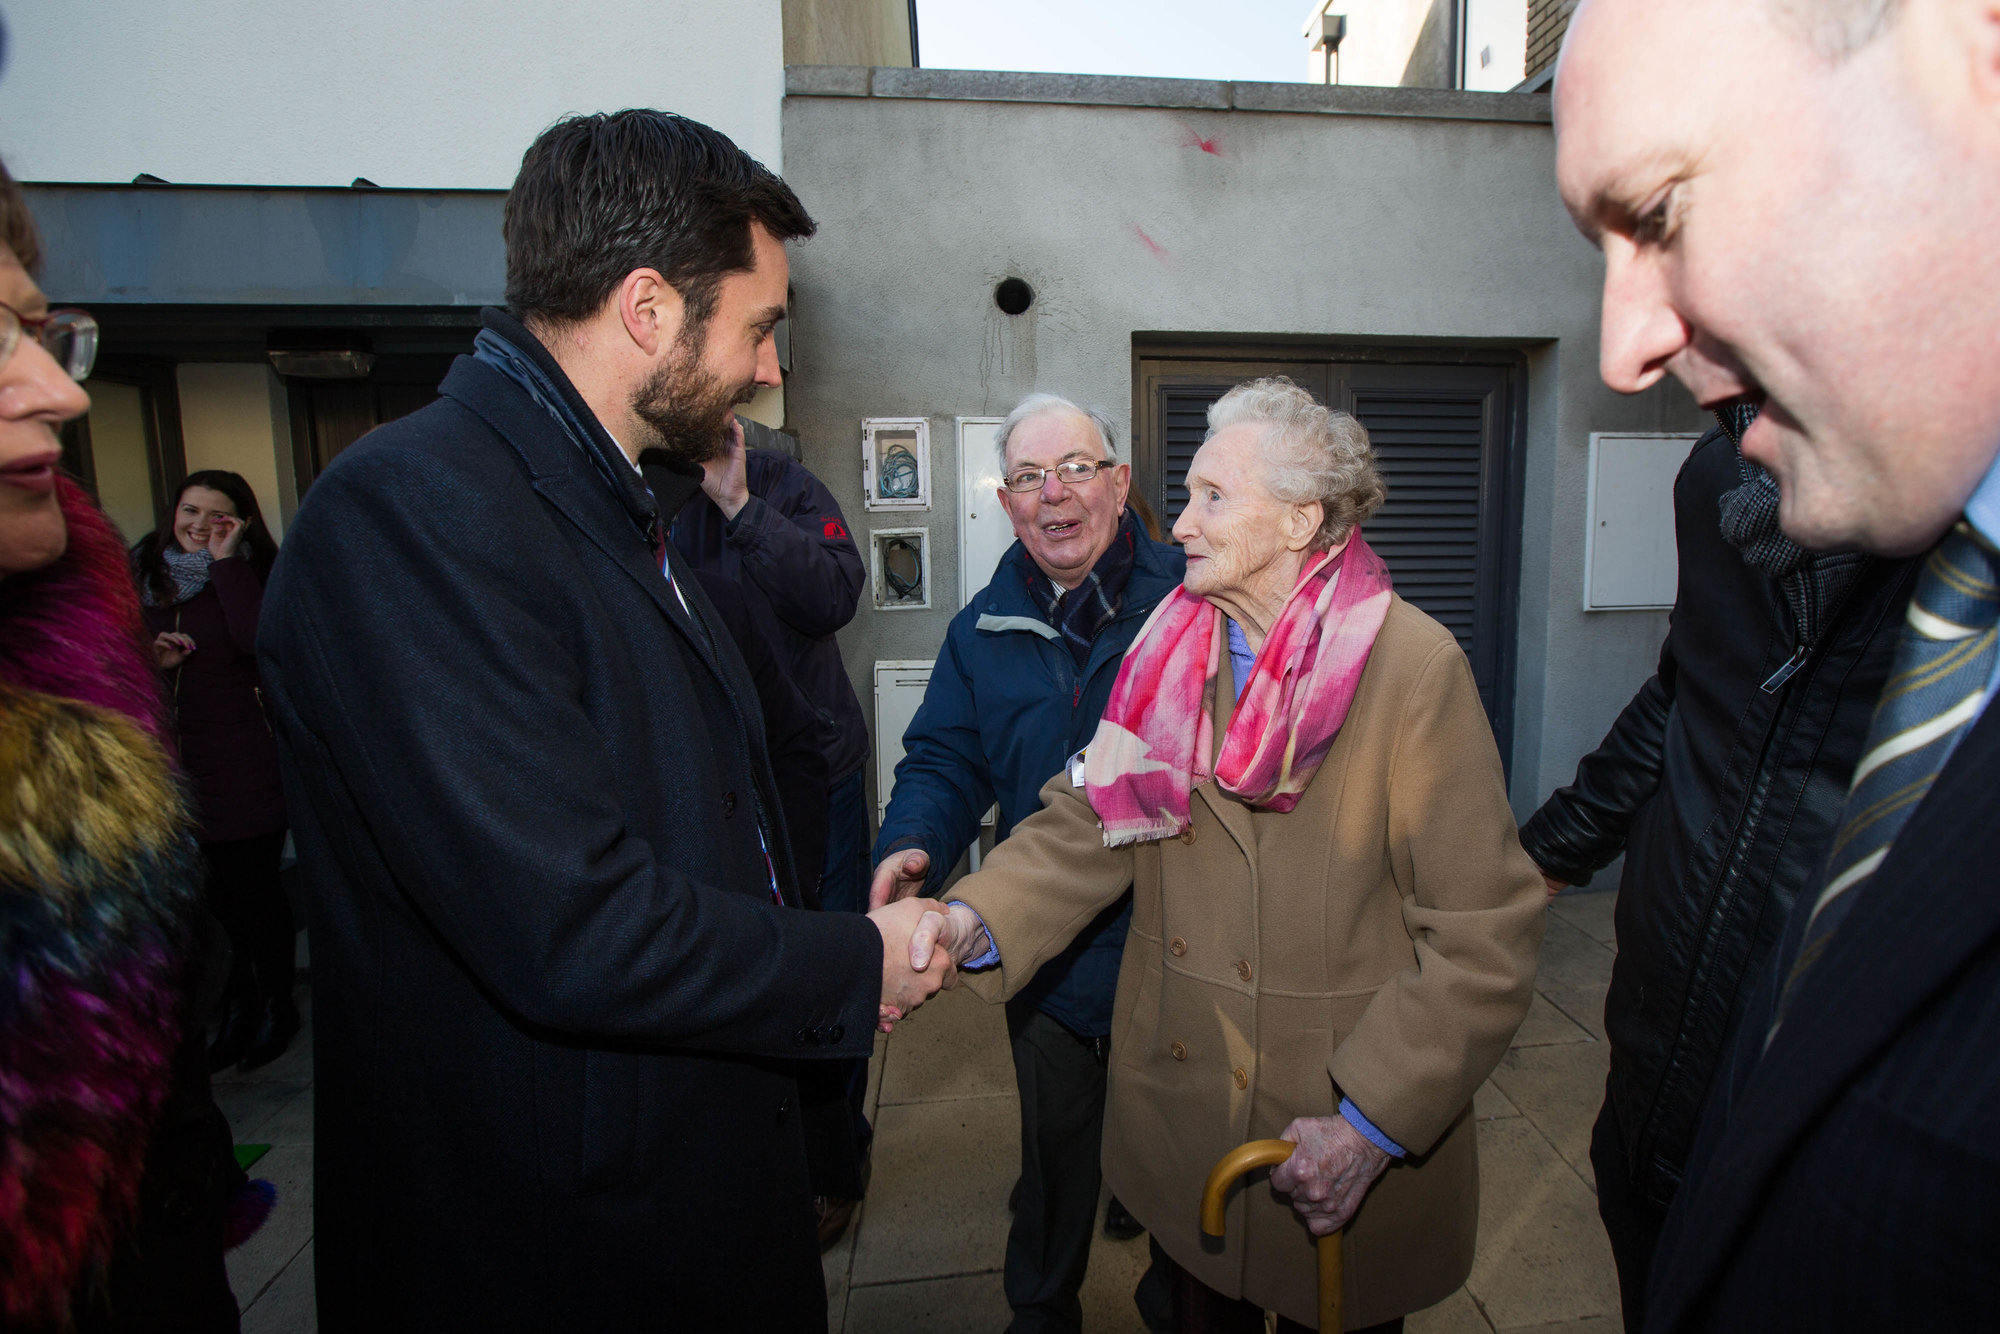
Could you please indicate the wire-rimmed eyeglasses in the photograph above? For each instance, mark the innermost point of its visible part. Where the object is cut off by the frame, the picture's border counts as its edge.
(1070, 472)
(70, 336)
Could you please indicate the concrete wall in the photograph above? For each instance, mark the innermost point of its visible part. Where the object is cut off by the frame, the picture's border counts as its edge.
(422, 93)
(233, 416)
(1183, 206)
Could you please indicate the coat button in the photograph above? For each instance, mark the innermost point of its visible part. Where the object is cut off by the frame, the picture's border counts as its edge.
(805, 1037)
(1178, 1051)
(835, 1034)
(1242, 1078)
(1177, 947)
(1243, 969)
(728, 804)
(1186, 835)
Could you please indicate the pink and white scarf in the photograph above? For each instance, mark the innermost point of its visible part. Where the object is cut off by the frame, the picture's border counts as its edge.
(1154, 746)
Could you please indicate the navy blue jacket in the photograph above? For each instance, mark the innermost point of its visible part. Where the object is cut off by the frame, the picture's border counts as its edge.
(1005, 708)
(1846, 1178)
(789, 550)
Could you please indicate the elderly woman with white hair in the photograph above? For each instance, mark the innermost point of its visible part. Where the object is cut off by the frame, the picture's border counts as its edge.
(1334, 926)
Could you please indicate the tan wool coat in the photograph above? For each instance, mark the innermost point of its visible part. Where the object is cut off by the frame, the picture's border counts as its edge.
(1378, 941)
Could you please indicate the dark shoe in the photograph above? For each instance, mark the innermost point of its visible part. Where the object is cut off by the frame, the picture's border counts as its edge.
(232, 1039)
(1119, 1225)
(834, 1216)
(277, 1025)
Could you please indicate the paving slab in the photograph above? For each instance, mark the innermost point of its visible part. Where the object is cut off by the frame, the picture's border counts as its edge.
(938, 1203)
(1600, 1324)
(1546, 1026)
(1560, 1090)
(1585, 1005)
(1590, 911)
(288, 1305)
(1490, 1103)
(1542, 1253)
(1571, 958)
(1456, 1314)
(929, 1306)
(954, 1047)
(258, 1261)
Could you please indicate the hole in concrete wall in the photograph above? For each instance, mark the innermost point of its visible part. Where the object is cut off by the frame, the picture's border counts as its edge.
(1013, 295)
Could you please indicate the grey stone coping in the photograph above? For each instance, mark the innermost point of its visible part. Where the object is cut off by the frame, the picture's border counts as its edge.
(955, 85)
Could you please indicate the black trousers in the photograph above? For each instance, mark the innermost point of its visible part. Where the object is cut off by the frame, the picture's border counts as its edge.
(1631, 1221)
(1061, 1077)
(245, 896)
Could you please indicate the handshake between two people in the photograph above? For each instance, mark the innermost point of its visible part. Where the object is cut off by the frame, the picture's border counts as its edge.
(923, 941)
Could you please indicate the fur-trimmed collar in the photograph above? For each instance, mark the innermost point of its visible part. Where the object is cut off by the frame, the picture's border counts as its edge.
(74, 630)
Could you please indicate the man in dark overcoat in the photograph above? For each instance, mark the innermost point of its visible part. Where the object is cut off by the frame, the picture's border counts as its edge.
(561, 984)
(1796, 206)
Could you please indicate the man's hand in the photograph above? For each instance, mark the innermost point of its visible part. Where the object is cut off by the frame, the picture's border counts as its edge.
(905, 987)
(1329, 1172)
(900, 875)
(723, 478)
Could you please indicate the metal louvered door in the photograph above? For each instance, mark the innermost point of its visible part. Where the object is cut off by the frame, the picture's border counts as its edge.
(1445, 440)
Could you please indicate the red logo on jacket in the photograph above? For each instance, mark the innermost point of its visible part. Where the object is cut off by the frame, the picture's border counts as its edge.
(833, 527)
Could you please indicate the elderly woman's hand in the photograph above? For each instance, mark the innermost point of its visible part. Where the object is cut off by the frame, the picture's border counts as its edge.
(1329, 1173)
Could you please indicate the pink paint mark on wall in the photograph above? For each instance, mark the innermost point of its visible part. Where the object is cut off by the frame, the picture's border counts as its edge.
(1192, 139)
(1159, 251)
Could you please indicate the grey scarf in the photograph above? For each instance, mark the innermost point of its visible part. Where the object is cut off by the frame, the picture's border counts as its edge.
(1813, 584)
(190, 574)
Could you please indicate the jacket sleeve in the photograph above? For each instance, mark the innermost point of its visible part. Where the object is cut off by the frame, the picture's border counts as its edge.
(1044, 883)
(1473, 907)
(794, 732)
(943, 783)
(242, 595)
(796, 547)
(1581, 827)
(446, 716)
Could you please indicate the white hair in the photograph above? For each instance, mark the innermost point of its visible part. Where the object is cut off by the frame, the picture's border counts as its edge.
(1311, 453)
(1037, 405)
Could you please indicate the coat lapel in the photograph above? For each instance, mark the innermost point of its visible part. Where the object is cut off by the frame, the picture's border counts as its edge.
(1923, 914)
(564, 479)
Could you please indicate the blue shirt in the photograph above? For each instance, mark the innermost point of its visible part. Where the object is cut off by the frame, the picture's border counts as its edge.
(1982, 515)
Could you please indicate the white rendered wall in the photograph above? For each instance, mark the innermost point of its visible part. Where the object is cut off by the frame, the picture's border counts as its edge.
(440, 94)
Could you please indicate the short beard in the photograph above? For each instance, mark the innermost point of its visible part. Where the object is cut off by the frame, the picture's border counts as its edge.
(687, 407)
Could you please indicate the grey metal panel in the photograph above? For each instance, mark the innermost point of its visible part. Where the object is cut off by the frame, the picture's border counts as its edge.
(191, 245)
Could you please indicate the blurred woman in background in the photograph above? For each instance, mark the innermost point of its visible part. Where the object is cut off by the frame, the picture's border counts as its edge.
(201, 576)
(118, 1191)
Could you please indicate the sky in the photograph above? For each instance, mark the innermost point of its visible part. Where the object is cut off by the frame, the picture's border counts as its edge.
(1186, 39)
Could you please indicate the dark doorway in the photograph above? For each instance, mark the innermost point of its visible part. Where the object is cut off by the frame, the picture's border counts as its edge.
(330, 415)
(1447, 425)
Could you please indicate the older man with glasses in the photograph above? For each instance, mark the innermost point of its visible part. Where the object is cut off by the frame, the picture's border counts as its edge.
(1024, 674)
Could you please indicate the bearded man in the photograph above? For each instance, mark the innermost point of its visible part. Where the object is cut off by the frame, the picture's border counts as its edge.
(560, 984)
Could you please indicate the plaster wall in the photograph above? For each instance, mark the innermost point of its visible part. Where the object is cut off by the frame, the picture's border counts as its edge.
(1130, 219)
(442, 94)
(230, 419)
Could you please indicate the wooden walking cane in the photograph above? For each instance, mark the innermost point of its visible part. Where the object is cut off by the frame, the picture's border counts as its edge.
(1248, 1158)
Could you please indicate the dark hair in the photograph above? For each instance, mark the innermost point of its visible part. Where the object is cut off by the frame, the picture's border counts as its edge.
(149, 566)
(17, 225)
(599, 196)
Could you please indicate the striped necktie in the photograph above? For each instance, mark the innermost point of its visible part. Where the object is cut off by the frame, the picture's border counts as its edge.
(1935, 689)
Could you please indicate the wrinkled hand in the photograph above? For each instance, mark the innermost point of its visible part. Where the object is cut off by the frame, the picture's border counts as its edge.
(1329, 1173)
(956, 932)
(904, 986)
(900, 875)
(225, 534)
(170, 649)
(724, 478)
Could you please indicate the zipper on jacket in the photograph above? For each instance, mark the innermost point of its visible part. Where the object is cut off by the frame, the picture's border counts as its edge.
(1785, 672)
